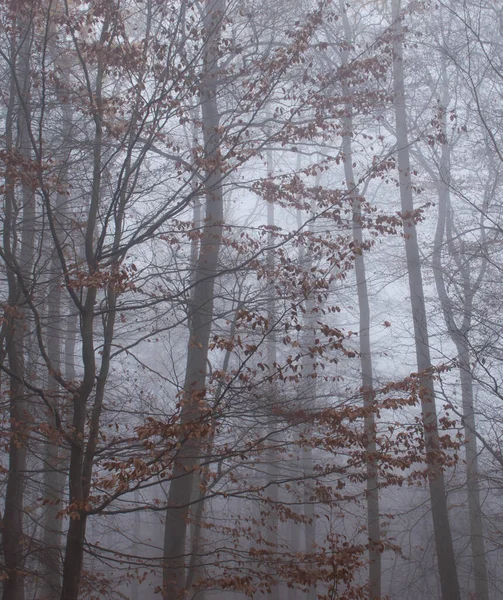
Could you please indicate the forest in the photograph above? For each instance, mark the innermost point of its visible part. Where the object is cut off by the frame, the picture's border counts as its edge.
(249, 334)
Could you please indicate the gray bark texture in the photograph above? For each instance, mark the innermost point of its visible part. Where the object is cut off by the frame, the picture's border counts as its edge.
(19, 270)
(309, 392)
(56, 458)
(201, 316)
(459, 334)
(373, 520)
(271, 401)
(447, 569)
(95, 375)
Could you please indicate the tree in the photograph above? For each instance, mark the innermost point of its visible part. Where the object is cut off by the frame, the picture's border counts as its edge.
(364, 332)
(19, 262)
(443, 538)
(201, 312)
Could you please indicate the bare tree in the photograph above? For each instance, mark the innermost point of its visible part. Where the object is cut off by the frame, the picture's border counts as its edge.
(201, 313)
(373, 519)
(443, 538)
(18, 257)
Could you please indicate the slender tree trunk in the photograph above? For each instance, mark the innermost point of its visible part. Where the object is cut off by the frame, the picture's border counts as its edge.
(459, 336)
(54, 462)
(310, 396)
(443, 538)
(309, 506)
(18, 277)
(70, 343)
(94, 381)
(201, 316)
(195, 574)
(82, 454)
(472, 479)
(195, 568)
(294, 542)
(12, 525)
(56, 456)
(135, 585)
(13, 514)
(373, 521)
(271, 455)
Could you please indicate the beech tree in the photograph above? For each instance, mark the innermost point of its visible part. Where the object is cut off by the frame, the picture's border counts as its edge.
(20, 259)
(443, 538)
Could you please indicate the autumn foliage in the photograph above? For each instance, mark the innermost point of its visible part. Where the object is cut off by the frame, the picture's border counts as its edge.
(144, 294)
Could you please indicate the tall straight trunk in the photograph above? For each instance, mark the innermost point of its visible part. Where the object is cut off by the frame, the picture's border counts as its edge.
(308, 467)
(309, 392)
(196, 210)
(78, 483)
(195, 570)
(70, 342)
(373, 521)
(309, 503)
(200, 482)
(294, 543)
(472, 477)
(271, 455)
(86, 418)
(17, 321)
(201, 316)
(54, 478)
(13, 512)
(135, 585)
(56, 456)
(94, 379)
(459, 335)
(12, 529)
(442, 531)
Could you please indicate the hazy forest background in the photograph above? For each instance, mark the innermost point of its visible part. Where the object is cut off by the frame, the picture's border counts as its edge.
(251, 341)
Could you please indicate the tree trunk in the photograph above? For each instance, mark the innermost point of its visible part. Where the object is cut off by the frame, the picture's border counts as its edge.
(309, 398)
(201, 316)
(272, 494)
(443, 539)
(459, 336)
(195, 571)
(56, 456)
(18, 277)
(54, 477)
(82, 454)
(373, 521)
(294, 543)
(309, 506)
(472, 479)
(135, 585)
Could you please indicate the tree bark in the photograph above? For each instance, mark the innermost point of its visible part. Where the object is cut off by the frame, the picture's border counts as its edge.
(373, 520)
(310, 397)
(443, 538)
(201, 316)
(94, 380)
(17, 322)
(271, 454)
(56, 457)
(135, 584)
(459, 336)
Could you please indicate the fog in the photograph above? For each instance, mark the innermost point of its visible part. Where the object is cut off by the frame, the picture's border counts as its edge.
(250, 274)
